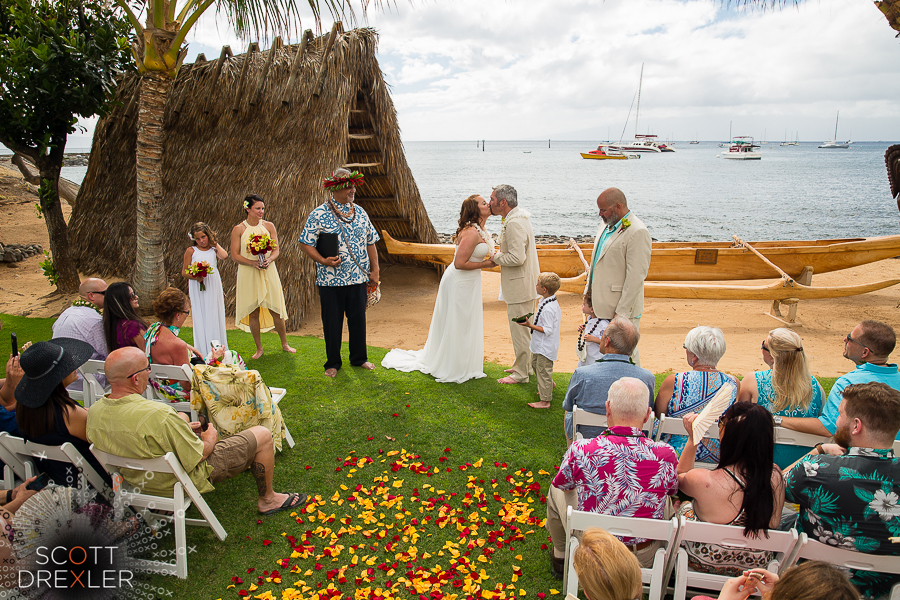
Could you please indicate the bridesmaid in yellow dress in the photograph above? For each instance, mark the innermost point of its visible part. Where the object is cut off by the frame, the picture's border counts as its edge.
(259, 302)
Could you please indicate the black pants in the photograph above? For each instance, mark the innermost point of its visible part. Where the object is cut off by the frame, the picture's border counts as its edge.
(337, 301)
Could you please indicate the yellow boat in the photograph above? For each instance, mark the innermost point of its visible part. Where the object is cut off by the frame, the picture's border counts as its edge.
(607, 153)
(710, 261)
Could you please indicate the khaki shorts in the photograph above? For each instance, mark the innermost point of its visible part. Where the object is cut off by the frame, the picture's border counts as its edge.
(232, 456)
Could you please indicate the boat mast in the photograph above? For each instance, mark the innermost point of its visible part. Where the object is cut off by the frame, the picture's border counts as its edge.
(835, 124)
(638, 111)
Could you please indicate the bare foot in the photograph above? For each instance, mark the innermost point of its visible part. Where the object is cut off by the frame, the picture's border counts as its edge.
(259, 353)
(508, 380)
(509, 371)
(287, 348)
(331, 373)
(539, 404)
(368, 366)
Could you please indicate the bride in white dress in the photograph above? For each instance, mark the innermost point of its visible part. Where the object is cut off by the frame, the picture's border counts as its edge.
(454, 351)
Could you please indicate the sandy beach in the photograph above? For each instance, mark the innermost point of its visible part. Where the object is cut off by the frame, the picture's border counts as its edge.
(402, 318)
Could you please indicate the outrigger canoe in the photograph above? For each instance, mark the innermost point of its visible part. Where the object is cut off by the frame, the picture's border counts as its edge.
(712, 261)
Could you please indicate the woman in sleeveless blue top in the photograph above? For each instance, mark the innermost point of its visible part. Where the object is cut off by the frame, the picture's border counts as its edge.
(785, 390)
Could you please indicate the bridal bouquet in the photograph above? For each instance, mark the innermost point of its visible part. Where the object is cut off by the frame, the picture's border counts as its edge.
(200, 269)
(259, 244)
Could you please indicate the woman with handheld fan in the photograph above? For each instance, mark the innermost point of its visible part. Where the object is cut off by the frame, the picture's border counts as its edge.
(454, 350)
(205, 287)
(340, 238)
(259, 297)
(691, 391)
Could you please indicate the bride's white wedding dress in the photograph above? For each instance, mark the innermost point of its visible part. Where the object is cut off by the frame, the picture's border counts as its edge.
(454, 351)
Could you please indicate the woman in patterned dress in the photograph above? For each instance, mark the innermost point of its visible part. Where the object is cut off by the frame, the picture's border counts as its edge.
(689, 392)
(745, 489)
(786, 389)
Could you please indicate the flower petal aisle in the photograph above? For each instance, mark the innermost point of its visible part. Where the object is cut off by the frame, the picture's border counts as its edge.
(398, 529)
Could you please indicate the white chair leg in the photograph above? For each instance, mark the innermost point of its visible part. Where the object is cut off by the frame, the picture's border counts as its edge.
(181, 548)
(681, 569)
(288, 436)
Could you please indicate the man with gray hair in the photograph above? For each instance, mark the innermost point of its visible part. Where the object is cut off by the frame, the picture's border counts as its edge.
(620, 261)
(589, 385)
(518, 274)
(620, 473)
(84, 321)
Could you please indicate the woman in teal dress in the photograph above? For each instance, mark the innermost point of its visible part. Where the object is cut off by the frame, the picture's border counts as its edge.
(785, 390)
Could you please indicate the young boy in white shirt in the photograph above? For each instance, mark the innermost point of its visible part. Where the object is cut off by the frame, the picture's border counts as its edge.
(545, 337)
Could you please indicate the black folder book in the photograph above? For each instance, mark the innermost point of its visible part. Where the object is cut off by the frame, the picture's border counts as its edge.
(327, 245)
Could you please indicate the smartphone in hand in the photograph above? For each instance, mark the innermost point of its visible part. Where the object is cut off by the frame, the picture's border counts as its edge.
(15, 344)
(39, 483)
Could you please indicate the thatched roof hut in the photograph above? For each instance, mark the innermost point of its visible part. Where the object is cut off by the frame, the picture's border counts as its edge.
(272, 123)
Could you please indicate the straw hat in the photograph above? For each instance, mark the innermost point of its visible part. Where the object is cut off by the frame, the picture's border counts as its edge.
(45, 365)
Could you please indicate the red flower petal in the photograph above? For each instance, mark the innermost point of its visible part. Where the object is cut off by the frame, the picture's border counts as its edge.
(266, 542)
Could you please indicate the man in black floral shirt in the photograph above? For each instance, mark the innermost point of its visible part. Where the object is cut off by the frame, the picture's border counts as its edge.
(849, 491)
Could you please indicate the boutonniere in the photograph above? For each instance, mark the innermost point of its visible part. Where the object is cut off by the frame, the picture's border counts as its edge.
(626, 223)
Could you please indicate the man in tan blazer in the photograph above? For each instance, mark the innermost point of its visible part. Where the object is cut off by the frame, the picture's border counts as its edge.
(518, 274)
(620, 262)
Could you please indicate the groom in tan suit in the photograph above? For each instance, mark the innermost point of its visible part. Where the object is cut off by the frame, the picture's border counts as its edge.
(620, 262)
(518, 274)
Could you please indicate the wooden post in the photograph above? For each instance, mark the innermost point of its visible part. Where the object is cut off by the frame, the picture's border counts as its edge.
(225, 55)
(248, 57)
(295, 67)
(273, 50)
(323, 66)
(792, 303)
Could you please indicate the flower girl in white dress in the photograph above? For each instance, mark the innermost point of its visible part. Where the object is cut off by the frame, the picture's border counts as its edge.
(207, 296)
(454, 351)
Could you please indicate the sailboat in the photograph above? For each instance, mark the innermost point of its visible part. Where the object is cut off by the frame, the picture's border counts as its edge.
(695, 141)
(833, 143)
(641, 142)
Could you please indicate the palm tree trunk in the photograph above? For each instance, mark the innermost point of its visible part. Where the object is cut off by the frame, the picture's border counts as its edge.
(150, 276)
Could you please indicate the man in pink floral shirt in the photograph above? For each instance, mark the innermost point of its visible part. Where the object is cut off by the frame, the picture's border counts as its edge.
(621, 473)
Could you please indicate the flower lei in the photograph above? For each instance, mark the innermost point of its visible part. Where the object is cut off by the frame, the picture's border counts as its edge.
(87, 304)
(484, 235)
(355, 178)
(521, 214)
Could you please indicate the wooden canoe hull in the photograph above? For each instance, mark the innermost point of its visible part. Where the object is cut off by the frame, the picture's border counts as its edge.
(701, 261)
(773, 291)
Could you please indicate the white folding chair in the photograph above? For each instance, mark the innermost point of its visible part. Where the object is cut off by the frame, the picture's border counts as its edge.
(655, 578)
(277, 395)
(896, 447)
(675, 426)
(797, 438)
(28, 452)
(125, 495)
(175, 373)
(782, 543)
(582, 417)
(848, 559)
(13, 468)
(91, 389)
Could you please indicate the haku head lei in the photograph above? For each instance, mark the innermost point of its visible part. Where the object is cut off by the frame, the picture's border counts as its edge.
(355, 178)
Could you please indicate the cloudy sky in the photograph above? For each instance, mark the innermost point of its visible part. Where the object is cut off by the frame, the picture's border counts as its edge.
(569, 69)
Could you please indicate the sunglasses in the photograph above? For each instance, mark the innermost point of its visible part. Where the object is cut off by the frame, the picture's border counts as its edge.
(132, 296)
(103, 293)
(147, 368)
(764, 347)
(850, 339)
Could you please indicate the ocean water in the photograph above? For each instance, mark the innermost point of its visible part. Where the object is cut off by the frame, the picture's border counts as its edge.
(794, 192)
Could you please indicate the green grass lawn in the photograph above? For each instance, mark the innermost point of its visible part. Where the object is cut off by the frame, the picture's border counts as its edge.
(424, 441)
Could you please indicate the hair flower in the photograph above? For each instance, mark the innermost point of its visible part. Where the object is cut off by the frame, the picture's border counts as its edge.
(246, 204)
